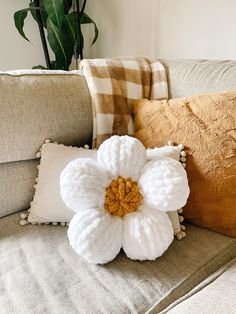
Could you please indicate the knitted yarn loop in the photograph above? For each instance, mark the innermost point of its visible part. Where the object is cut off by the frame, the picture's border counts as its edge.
(122, 197)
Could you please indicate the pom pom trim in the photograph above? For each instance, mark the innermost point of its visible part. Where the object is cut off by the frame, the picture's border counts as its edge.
(24, 216)
(24, 221)
(183, 159)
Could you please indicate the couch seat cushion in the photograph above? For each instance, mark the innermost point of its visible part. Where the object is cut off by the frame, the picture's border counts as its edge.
(40, 273)
(216, 294)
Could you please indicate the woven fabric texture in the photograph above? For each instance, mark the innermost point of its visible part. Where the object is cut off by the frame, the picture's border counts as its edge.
(195, 77)
(114, 85)
(17, 181)
(40, 273)
(34, 107)
(216, 294)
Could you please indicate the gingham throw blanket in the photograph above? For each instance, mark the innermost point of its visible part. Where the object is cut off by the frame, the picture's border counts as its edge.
(114, 85)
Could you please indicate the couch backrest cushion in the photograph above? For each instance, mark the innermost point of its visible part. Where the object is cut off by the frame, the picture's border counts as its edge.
(195, 77)
(17, 181)
(35, 105)
(39, 105)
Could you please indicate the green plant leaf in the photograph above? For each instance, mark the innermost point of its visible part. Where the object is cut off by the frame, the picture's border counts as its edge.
(69, 23)
(60, 45)
(41, 67)
(52, 67)
(67, 6)
(42, 11)
(69, 27)
(85, 19)
(19, 18)
(61, 29)
(55, 11)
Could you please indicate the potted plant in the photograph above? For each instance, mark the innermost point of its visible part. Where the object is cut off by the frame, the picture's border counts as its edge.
(61, 20)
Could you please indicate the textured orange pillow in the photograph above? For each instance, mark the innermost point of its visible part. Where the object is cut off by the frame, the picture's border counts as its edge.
(206, 125)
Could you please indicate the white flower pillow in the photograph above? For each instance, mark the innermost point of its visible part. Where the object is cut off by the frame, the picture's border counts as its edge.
(47, 206)
(121, 201)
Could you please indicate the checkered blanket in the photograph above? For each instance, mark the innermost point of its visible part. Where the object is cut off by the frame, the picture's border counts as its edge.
(114, 85)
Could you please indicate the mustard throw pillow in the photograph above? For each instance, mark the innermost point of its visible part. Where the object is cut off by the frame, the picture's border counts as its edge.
(206, 125)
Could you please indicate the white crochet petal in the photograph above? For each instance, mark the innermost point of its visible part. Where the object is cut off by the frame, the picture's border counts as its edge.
(163, 152)
(147, 234)
(122, 156)
(164, 184)
(95, 235)
(82, 184)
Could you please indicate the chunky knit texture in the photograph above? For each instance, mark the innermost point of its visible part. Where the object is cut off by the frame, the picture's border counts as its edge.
(122, 197)
(163, 184)
(115, 210)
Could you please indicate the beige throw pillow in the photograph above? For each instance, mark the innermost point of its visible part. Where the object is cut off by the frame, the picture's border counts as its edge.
(47, 205)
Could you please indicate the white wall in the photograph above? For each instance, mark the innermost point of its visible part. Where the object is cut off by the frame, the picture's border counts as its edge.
(166, 28)
(15, 52)
(127, 27)
(155, 28)
(204, 29)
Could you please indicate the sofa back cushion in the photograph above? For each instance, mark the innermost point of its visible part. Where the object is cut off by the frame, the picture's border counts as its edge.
(17, 181)
(36, 105)
(195, 77)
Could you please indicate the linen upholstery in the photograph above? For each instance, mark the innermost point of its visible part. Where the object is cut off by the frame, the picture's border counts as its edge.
(216, 294)
(195, 77)
(17, 181)
(114, 85)
(34, 107)
(206, 124)
(40, 273)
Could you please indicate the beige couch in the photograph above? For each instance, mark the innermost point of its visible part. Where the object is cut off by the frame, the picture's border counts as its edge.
(39, 272)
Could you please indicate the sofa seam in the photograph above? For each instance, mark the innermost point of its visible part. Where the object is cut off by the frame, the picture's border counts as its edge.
(183, 282)
(196, 290)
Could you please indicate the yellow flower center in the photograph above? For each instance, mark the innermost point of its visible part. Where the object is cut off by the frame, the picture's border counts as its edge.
(122, 197)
